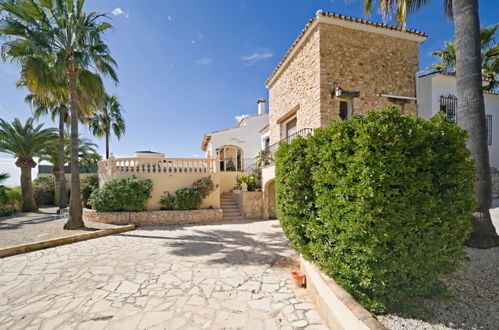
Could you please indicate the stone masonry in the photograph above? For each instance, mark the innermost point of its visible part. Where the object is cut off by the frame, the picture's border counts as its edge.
(372, 60)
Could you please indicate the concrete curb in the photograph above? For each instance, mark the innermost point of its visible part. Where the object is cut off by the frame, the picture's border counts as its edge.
(338, 308)
(12, 250)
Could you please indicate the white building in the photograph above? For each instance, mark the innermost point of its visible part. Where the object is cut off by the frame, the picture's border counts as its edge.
(436, 92)
(238, 147)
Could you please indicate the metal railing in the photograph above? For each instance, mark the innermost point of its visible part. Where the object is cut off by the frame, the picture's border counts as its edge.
(270, 151)
(233, 164)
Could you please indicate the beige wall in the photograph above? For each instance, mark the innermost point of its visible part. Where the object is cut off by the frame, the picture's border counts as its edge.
(170, 175)
(228, 180)
(297, 87)
(251, 204)
(333, 55)
(172, 183)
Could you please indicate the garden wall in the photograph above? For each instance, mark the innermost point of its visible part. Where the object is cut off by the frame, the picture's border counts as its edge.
(154, 218)
(251, 204)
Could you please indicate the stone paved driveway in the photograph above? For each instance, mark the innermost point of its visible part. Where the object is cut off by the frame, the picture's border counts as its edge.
(231, 275)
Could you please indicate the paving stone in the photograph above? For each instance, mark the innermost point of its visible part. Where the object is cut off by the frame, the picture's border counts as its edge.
(130, 282)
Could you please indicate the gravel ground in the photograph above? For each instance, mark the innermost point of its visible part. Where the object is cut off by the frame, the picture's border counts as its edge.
(24, 228)
(475, 295)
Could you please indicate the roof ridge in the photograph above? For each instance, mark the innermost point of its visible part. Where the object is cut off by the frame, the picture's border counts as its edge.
(343, 17)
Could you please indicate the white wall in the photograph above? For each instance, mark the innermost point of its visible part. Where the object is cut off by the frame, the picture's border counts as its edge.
(246, 137)
(431, 87)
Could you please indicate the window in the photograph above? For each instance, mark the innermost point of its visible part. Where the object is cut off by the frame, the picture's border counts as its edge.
(345, 109)
(266, 143)
(448, 105)
(230, 158)
(488, 119)
(291, 127)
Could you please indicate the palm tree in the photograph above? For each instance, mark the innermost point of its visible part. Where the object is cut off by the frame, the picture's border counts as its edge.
(470, 103)
(51, 154)
(109, 117)
(62, 30)
(490, 57)
(25, 142)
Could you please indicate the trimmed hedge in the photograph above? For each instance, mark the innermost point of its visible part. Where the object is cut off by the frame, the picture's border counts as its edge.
(88, 185)
(188, 199)
(127, 194)
(382, 202)
(44, 190)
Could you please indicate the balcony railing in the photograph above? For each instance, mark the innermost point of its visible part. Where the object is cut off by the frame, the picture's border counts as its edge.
(270, 151)
(232, 164)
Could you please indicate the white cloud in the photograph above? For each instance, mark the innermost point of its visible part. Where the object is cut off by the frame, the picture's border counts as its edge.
(196, 155)
(204, 61)
(257, 56)
(118, 11)
(240, 117)
(169, 18)
(193, 41)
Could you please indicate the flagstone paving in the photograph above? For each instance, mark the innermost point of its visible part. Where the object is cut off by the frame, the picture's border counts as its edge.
(224, 276)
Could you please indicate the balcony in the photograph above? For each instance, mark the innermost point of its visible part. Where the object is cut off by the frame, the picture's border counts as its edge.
(270, 150)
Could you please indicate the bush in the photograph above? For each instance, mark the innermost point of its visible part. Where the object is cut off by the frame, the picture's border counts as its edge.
(88, 185)
(14, 197)
(188, 199)
(253, 181)
(127, 194)
(44, 190)
(168, 202)
(205, 186)
(382, 203)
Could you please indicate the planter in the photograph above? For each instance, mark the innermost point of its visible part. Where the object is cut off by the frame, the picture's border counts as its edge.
(299, 277)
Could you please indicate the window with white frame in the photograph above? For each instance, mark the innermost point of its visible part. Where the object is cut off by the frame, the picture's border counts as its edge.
(345, 109)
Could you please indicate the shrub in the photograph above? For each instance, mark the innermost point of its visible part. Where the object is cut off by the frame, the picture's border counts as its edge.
(14, 197)
(127, 194)
(88, 185)
(168, 202)
(382, 202)
(188, 199)
(253, 181)
(205, 186)
(44, 190)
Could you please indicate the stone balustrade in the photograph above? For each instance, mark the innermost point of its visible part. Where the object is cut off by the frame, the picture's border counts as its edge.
(159, 165)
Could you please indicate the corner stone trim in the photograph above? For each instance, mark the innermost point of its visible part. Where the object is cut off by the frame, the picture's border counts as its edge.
(154, 218)
(338, 308)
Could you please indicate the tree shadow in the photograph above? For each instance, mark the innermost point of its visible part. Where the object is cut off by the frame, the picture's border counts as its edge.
(21, 219)
(472, 301)
(234, 247)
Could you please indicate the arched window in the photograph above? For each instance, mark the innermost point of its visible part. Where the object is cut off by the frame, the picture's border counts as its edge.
(231, 158)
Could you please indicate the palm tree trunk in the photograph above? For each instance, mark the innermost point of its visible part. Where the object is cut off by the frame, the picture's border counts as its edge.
(28, 204)
(471, 116)
(62, 175)
(107, 145)
(75, 220)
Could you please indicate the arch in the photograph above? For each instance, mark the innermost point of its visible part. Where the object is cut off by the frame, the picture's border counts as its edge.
(231, 158)
(269, 200)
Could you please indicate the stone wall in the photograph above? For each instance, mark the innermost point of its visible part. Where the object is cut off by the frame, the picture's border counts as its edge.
(494, 175)
(333, 56)
(297, 88)
(251, 204)
(154, 218)
(370, 63)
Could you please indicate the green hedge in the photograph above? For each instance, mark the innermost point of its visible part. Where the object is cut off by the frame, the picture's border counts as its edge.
(381, 202)
(44, 190)
(88, 185)
(188, 199)
(127, 194)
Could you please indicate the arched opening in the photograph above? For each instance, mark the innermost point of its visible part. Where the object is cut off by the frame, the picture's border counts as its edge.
(231, 158)
(269, 201)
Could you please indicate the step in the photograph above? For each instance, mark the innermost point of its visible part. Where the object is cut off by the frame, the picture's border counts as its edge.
(229, 204)
(232, 208)
(231, 214)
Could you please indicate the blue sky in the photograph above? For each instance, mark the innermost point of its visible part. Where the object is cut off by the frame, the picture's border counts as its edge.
(187, 67)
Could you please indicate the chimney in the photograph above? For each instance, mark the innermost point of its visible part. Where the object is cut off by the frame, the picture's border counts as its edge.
(261, 106)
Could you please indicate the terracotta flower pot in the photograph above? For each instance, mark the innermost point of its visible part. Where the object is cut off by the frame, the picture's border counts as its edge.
(299, 277)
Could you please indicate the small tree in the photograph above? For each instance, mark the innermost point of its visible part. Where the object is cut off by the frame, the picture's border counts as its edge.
(26, 141)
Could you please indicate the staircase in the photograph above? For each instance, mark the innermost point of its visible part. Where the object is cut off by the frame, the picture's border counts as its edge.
(230, 207)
